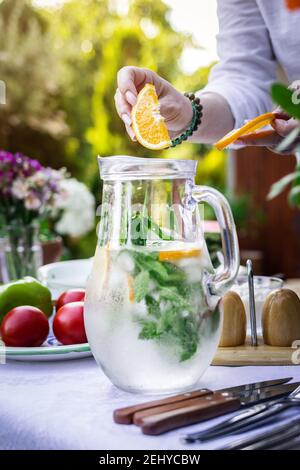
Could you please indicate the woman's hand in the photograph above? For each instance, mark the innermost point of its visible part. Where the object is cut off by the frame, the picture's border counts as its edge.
(174, 106)
(282, 126)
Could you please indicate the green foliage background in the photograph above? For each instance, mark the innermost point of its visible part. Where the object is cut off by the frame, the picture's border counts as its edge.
(60, 68)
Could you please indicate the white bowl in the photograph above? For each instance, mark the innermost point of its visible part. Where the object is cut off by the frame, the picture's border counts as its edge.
(65, 275)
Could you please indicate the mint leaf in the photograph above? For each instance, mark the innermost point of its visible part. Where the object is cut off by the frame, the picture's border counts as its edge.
(141, 285)
(280, 185)
(188, 338)
(172, 304)
(149, 331)
(152, 306)
(294, 196)
(184, 330)
(175, 274)
(141, 226)
(161, 271)
(288, 140)
(284, 97)
(138, 230)
(171, 294)
(189, 352)
(149, 263)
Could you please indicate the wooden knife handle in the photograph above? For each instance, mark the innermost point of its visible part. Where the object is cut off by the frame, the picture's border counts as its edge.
(138, 417)
(208, 407)
(125, 415)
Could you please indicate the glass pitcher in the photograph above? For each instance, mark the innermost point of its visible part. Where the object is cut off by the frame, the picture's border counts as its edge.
(152, 302)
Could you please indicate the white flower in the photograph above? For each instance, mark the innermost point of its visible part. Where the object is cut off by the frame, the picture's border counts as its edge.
(78, 209)
(38, 179)
(32, 202)
(19, 188)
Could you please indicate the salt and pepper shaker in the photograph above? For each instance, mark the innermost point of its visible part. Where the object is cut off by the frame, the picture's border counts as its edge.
(252, 303)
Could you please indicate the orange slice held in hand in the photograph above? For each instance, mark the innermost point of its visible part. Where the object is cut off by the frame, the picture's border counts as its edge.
(147, 122)
(248, 128)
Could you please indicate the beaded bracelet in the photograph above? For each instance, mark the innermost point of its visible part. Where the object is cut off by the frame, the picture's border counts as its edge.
(196, 119)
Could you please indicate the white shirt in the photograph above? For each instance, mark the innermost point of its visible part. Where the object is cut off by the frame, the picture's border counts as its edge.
(254, 37)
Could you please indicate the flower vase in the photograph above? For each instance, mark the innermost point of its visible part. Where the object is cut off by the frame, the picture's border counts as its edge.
(22, 252)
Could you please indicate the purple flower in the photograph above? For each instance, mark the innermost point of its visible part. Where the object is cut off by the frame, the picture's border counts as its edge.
(7, 157)
(35, 165)
(26, 186)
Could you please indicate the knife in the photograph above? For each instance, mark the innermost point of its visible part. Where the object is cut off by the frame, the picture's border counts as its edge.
(210, 406)
(126, 415)
(248, 418)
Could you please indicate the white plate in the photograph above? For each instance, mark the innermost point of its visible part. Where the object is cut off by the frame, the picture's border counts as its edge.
(58, 277)
(51, 350)
(65, 275)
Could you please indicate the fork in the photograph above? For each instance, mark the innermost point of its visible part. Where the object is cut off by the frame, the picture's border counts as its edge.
(248, 418)
(281, 436)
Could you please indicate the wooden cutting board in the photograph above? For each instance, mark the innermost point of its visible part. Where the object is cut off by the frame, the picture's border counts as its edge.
(262, 355)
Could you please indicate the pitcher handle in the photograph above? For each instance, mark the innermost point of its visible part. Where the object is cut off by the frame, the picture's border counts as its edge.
(224, 276)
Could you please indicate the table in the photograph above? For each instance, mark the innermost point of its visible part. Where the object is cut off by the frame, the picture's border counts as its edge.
(69, 405)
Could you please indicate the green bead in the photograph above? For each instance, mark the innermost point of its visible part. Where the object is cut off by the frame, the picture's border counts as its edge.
(196, 119)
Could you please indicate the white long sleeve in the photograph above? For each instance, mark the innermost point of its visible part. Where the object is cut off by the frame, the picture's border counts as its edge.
(248, 64)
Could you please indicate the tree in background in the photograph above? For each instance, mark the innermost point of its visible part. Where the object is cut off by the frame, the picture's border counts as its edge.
(144, 37)
(31, 121)
(95, 46)
(60, 66)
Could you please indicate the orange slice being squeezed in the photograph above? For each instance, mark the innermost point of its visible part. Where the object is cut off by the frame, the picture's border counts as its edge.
(147, 122)
(249, 128)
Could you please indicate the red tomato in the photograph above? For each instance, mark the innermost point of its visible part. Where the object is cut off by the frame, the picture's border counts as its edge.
(74, 295)
(68, 324)
(24, 326)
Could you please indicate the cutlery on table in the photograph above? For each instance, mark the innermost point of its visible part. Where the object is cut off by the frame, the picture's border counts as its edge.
(161, 415)
(250, 417)
(283, 435)
(205, 408)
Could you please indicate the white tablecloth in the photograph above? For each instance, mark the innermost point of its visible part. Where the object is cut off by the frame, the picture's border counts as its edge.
(69, 405)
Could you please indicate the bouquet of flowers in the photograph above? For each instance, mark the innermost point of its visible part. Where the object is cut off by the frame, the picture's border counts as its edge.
(29, 193)
(27, 189)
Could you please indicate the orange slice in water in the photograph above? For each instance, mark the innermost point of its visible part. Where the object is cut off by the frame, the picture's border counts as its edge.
(249, 128)
(131, 295)
(147, 122)
(178, 254)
